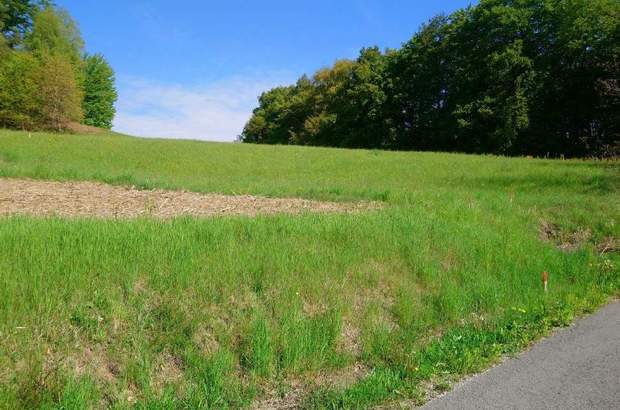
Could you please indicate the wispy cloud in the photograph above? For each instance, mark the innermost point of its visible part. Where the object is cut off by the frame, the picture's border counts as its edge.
(215, 112)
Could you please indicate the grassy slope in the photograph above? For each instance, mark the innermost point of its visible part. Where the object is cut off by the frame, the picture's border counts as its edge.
(217, 312)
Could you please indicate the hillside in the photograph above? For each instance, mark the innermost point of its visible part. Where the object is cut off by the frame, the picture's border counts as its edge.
(313, 310)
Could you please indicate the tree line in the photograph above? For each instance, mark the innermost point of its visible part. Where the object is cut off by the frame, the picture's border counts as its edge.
(47, 81)
(510, 77)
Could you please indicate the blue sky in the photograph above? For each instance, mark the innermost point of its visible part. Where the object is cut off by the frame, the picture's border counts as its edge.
(194, 69)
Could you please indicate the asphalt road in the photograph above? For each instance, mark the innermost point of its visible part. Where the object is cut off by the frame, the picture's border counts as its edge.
(576, 368)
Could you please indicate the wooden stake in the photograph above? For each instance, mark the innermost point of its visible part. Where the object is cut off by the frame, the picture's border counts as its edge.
(545, 280)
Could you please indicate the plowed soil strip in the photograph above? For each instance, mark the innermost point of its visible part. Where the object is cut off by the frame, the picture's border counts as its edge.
(91, 199)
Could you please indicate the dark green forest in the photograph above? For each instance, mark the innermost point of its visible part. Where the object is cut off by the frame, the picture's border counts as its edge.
(47, 80)
(510, 77)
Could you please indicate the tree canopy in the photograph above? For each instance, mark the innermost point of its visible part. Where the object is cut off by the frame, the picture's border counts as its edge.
(515, 77)
(16, 18)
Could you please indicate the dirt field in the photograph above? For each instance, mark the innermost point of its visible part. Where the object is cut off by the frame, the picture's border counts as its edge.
(89, 199)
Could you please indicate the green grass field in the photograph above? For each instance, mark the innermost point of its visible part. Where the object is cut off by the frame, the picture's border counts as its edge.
(318, 310)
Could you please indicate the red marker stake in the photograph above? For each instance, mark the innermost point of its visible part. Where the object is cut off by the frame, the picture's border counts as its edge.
(545, 279)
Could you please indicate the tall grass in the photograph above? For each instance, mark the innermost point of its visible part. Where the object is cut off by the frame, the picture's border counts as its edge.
(223, 312)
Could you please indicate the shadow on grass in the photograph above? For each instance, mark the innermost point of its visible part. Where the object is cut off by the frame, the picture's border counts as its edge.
(585, 184)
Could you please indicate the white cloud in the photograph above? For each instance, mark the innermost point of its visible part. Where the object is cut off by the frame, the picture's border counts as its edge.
(215, 112)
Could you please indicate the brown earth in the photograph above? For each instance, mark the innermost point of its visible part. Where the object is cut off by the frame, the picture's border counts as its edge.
(78, 128)
(92, 199)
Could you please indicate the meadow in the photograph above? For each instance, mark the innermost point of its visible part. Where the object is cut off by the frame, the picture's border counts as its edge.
(383, 307)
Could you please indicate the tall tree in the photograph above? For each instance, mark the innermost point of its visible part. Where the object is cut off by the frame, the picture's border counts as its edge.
(58, 95)
(99, 92)
(422, 74)
(18, 90)
(57, 44)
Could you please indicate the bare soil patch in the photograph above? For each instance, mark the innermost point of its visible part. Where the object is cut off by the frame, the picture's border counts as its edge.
(92, 199)
(78, 128)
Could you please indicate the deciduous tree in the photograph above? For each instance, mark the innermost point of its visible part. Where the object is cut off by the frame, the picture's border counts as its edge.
(99, 92)
(59, 97)
(18, 90)
(16, 18)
